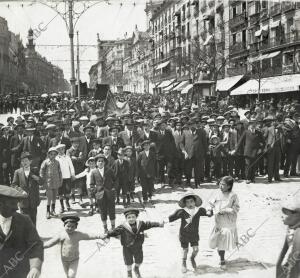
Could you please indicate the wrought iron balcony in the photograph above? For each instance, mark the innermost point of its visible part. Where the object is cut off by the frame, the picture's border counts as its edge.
(287, 6)
(237, 20)
(196, 11)
(289, 68)
(275, 9)
(237, 48)
(233, 71)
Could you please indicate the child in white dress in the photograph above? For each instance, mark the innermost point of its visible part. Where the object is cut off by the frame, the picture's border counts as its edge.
(225, 206)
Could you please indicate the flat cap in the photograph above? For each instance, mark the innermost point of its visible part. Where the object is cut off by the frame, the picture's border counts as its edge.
(10, 192)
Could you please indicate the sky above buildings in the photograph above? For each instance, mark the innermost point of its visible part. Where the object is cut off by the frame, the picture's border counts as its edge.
(111, 21)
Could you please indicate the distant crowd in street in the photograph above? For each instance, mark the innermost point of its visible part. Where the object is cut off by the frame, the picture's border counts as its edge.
(76, 148)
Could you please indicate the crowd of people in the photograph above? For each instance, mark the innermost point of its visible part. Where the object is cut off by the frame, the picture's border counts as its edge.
(76, 148)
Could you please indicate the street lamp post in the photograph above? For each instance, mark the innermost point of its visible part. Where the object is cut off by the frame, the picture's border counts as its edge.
(71, 36)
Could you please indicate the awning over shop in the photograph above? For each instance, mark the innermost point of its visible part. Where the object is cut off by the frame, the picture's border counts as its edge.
(166, 83)
(169, 88)
(181, 85)
(270, 85)
(227, 83)
(264, 56)
(186, 89)
(162, 65)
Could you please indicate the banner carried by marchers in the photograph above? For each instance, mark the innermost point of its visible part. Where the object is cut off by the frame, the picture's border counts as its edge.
(112, 106)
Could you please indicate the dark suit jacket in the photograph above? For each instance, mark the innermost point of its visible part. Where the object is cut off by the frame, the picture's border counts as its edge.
(146, 166)
(35, 148)
(200, 144)
(15, 151)
(29, 185)
(252, 142)
(165, 146)
(121, 172)
(104, 185)
(86, 146)
(22, 240)
(114, 147)
(4, 150)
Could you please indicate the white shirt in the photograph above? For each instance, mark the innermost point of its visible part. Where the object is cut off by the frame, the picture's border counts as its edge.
(5, 224)
(26, 172)
(147, 153)
(101, 171)
(66, 166)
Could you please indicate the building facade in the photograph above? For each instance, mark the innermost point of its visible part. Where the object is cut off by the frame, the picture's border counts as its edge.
(41, 75)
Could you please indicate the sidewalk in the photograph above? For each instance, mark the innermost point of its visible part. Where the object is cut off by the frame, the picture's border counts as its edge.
(260, 229)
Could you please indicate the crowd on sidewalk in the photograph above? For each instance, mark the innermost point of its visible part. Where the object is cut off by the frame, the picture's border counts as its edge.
(76, 148)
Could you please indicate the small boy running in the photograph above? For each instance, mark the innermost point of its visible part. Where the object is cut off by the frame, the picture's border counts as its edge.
(132, 239)
(189, 228)
(69, 239)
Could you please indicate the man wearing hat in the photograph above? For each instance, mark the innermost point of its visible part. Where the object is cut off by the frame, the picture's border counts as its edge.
(114, 141)
(252, 141)
(127, 135)
(34, 145)
(86, 141)
(22, 251)
(60, 138)
(5, 169)
(27, 178)
(14, 146)
(166, 150)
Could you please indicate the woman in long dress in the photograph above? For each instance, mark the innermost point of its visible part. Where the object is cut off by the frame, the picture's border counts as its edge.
(225, 206)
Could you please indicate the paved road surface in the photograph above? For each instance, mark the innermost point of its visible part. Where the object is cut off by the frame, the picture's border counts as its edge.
(260, 216)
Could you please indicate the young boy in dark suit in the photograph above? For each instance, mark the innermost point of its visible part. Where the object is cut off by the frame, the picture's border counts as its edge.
(146, 170)
(121, 171)
(132, 239)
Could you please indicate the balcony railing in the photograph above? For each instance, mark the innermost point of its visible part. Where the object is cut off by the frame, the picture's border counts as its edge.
(236, 71)
(293, 37)
(237, 20)
(253, 47)
(275, 9)
(287, 6)
(237, 48)
(286, 69)
(196, 11)
(254, 19)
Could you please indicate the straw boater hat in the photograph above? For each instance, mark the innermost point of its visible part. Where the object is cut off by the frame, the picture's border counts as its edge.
(52, 149)
(198, 200)
(59, 146)
(89, 159)
(291, 205)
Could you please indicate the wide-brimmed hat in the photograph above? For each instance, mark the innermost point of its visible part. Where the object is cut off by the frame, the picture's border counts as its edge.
(10, 192)
(89, 127)
(128, 211)
(89, 159)
(59, 146)
(145, 142)
(198, 200)
(291, 205)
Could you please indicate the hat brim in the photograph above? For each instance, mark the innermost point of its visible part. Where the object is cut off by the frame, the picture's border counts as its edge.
(131, 211)
(198, 200)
